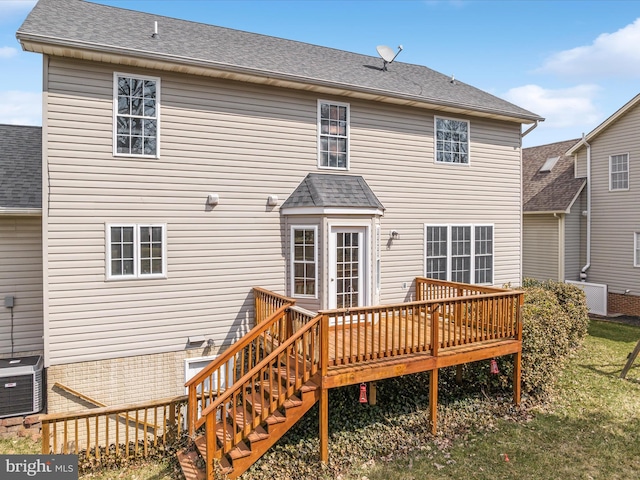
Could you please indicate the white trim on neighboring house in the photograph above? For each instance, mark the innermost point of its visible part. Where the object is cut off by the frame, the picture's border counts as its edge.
(137, 259)
(292, 259)
(435, 140)
(626, 172)
(115, 114)
(45, 211)
(346, 137)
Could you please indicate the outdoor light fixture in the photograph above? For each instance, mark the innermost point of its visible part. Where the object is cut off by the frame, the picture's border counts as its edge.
(393, 234)
(213, 199)
(272, 200)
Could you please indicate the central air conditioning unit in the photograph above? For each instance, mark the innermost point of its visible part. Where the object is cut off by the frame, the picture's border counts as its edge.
(21, 391)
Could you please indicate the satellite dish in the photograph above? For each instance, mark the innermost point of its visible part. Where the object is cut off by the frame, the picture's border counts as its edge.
(387, 54)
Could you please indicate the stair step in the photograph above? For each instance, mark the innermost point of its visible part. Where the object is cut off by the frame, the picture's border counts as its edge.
(276, 417)
(189, 465)
(310, 386)
(201, 445)
(292, 402)
(224, 431)
(257, 435)
(240, 451)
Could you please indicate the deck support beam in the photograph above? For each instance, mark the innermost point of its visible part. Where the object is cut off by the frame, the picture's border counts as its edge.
(517, 377)
(433, 399)
(324, 425)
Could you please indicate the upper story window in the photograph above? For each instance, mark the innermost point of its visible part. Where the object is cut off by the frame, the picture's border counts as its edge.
(333, 135)
(304, 261)
(619, 172)
(452, 141)
(136, 251)
(459, 253)
(136, 115)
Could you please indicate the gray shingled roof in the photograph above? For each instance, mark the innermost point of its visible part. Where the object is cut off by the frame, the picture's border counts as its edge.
(327, 190)
(552, 191)
(94, 27)
(20, 167)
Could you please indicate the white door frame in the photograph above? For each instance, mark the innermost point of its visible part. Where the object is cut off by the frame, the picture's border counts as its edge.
(364, 260)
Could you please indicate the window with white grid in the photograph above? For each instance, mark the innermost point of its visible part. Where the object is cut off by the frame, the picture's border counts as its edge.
(452, 141)
(136, 251)
(619, 172)
(304, 261)
(459, 253)
(333, 135)
(136, 115)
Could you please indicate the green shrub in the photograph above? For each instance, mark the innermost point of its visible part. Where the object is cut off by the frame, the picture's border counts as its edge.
(554, 322)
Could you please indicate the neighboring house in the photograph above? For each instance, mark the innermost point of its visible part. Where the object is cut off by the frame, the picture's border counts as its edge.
(187, 163)
(553, 202)
(20, 241)
(608, 159)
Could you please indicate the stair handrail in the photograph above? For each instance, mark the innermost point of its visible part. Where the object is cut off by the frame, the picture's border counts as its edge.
(208, 415)
(221, 362)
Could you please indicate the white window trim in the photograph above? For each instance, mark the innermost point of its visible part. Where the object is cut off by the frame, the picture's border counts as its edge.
(115, 115)
(136, 252)
(636, 245)
(611, 189)
(435, 141)
(472, 265)
(319, 135)
(292, 259)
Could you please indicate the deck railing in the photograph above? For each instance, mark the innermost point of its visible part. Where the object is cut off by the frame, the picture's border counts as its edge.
(136, 430)
(262, 390)
(267, 302)
(368, 333)
(431, 289)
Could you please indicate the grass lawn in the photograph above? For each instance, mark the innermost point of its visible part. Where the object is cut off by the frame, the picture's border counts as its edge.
(591, 430)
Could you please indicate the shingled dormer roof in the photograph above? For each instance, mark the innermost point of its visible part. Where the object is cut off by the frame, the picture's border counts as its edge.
(552, 191)
(327, 191)
(20, 169)
(103, 33)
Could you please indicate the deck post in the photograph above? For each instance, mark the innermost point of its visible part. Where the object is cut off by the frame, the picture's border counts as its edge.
(433, 399)
(517, 357)
(324, 393)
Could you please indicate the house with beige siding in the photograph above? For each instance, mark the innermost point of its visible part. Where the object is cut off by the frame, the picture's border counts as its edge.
(607, 159)
(553, 203)
(21, 320)
(187, 163)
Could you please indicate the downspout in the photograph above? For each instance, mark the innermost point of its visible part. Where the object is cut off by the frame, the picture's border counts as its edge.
(583, 272)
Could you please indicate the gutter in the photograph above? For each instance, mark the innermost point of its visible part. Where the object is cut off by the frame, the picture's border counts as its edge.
(21, 211)
(583, 272)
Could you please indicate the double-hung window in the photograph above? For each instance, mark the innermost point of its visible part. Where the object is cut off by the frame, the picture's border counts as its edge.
(333, 135)
(136, 115)
(136, 251)
(304, 261)
(459, 253)
(619, 172)
(452, 141)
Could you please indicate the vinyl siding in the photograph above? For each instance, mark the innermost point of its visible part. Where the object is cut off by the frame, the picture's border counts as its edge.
(574, 258)
(243, 142)
(21, 277)
(615, 215)
(540, 258)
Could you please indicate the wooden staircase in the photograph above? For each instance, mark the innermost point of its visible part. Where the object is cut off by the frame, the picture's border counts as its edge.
(259, 439)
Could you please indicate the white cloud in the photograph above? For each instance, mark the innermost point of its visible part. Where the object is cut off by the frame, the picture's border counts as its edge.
(567, 107)
(8, 52)
(610, 55)
(21, 108)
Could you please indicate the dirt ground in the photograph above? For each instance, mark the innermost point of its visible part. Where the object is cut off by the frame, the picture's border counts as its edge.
(628, 319)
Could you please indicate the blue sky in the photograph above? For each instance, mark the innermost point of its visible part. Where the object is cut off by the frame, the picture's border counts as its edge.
(573, 62)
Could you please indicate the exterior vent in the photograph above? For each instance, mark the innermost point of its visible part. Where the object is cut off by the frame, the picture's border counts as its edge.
(20, 386)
